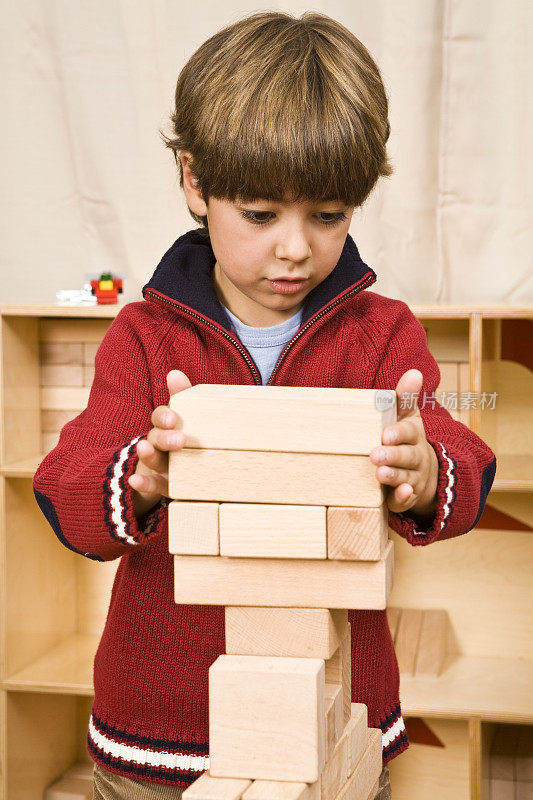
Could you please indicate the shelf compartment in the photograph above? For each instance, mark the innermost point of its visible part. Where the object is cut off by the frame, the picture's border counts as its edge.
(482, 579)
(46, 734)
(66, 668)
(424, 771)
(508, 428)
(51, 593)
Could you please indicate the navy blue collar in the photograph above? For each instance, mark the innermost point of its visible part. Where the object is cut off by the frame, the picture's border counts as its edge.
(184, 275)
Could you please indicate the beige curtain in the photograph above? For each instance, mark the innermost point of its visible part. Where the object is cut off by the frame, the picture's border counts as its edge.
(88, 186)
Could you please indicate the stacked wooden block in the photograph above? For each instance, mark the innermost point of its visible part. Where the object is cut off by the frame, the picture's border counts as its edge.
(75, 784)
(449, 344)
(67, 349)
(278, 516)
(420, 639)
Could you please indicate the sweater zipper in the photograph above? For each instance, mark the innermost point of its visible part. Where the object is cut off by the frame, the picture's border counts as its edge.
(325, 310)
(216, 328)
(255, 374)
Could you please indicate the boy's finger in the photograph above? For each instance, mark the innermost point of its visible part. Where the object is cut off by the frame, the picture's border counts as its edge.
(401, 455)
(149, 457)
(401, 498)
(407, 390)
(394, 477)
(164, 417)
(149, 484)
(162, 442)
(407, 431)
(177, 381)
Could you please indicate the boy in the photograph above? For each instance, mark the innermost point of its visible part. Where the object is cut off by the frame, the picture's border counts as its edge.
(280, 124)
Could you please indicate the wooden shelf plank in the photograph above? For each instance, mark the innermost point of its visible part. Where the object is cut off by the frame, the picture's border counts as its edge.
(65, 669)
(463, 312)
(513, 473)
(61, 310)
(497, 689)
(26, 468)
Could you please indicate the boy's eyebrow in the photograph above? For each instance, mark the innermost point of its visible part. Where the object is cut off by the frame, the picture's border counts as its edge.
(281, 203)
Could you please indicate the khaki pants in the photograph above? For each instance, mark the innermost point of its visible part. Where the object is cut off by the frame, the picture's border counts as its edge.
(109, 786)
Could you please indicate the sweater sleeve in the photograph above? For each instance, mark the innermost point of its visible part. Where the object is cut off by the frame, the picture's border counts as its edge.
(466, 464)
(81, 486)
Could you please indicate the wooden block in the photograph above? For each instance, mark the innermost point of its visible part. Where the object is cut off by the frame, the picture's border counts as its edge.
(81, 769)
(367, 772)
(356, 534)
(56, 329)
(357, 729)
(193, 528)
(334, 716)
(503, 752)
(374, 790)
(347, 753)
(61, 375)
(407, 637)
(53, 421)
(502, 790)
(70, 789)
(237, 417)
(393, 619)
(447, 338)
(432, 644)
(296, 632)
(262, 530)
(338, 670)
(88, 374)
(524, 754)
(301, 583)
(60, 397)
(346, 661)
(61, 352)
(448, 388)
(89, 351)
(282, 790)
(49, 441)
(259, 707)
(206, 787)
(249, 476)
(524, 790)
(463, 414)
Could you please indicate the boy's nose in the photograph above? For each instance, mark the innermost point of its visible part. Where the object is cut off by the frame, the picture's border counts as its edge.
(293, 246)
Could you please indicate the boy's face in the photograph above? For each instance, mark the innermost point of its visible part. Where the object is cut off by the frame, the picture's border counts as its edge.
(295, 240)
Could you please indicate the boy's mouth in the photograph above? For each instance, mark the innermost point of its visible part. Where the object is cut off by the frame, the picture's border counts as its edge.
(287, 278)
(286, 285)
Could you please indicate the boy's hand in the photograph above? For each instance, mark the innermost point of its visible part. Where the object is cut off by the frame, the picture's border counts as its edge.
(411, 463)
(150, 479)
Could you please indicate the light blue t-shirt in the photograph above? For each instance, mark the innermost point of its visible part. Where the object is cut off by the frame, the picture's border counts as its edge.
(265, 344)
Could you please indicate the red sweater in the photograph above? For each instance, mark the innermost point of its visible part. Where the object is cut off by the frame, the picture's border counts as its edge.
(150, 717)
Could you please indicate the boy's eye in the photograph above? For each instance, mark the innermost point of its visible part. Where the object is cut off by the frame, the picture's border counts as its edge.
(255, 217)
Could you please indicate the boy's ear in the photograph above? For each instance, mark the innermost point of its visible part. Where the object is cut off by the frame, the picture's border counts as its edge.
(193, 195)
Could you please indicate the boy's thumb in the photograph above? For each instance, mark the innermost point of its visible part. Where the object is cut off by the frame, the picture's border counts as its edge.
(177, 381)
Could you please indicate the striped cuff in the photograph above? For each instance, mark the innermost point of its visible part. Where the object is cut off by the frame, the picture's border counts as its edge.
(175, 762)
(393, 735)
(446, 493)
(123, 525)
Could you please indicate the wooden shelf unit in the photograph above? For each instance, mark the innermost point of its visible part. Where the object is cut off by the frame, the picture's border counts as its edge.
(55, 602)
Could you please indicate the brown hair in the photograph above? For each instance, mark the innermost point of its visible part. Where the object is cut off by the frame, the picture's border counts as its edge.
(282, 108)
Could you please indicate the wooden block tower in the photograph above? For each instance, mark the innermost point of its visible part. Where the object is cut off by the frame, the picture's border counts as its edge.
(278, 516)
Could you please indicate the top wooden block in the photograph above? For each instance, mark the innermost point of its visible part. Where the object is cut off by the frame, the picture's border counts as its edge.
(297, 419)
